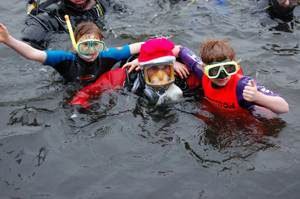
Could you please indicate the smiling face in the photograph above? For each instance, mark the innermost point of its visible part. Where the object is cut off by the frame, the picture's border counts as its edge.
(220, 81)
(87, 31)
(217, 51)
(93, 54)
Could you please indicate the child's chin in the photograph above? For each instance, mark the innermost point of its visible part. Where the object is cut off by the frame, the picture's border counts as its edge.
(88, 59)
(221, 82)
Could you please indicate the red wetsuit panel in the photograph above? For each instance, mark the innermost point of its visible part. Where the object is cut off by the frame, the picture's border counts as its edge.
(224, 98)
(193, 81)
(109, 80)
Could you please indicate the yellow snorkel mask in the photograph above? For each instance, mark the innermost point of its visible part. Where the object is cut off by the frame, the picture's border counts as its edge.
(85, 47)
(229, 67)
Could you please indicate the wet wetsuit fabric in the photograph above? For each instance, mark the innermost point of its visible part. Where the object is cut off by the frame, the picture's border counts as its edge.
(188, 58)
(39, 26)
(276, 11)
(118, 78)
(72, 68)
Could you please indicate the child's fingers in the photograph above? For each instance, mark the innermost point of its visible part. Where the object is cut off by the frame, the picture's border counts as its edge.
(125, 65)
(252, 82)
(137, 68)
(186, 72)
(248, 92)
(179, 72)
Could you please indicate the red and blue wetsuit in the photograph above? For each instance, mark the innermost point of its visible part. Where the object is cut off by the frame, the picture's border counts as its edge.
(74, 69)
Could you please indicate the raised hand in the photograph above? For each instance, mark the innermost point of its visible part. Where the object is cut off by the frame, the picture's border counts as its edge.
(3, 33)
(250, 91)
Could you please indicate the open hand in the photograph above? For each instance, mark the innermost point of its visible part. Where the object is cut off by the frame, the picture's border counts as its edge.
(132, 65)
(3, 33)
(181, 70)
(250, 91)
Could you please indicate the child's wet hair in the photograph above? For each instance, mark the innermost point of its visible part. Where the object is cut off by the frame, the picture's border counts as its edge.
(214, 50)
(87, 27)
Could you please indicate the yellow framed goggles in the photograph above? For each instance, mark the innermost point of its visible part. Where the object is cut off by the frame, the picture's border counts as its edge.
(159, 75)
(90, 46)
(213, 70)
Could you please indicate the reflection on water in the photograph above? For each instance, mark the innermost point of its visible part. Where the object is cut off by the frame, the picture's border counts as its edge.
(122, 148)
(228, 139)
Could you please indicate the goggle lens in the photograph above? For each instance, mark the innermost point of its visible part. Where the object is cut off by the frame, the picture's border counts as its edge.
(90, 47)
(214, 71)
(230, 68)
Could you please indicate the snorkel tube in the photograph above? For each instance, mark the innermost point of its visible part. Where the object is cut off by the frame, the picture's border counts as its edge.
(31, 5)
(71, 33)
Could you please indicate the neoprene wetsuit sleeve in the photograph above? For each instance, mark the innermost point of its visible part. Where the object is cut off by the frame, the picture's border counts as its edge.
(191, 60)
(240, 88)
(117, 53)
(110, 80)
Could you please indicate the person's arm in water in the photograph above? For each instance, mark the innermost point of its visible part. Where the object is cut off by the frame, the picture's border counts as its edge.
(273, 102)
(21, 47)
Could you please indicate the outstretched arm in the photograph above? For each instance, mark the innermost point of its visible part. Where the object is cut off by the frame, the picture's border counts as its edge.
(275, 103)
(21, 47)
(135, 48)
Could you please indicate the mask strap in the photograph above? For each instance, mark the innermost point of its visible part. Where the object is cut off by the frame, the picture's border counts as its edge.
(71, 33)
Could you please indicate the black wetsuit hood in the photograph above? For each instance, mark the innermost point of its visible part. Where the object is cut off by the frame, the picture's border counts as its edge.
(278, 11)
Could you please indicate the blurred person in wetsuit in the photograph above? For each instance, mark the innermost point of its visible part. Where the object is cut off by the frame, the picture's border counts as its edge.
(155, 80)
(90, 59)
(47, 17)
(281, 11)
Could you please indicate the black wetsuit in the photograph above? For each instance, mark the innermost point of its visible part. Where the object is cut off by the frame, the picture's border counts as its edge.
(135, 82)
(49, 19)
(276, 11)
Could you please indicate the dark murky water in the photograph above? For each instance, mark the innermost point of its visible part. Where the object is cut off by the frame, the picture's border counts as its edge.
(126, 150)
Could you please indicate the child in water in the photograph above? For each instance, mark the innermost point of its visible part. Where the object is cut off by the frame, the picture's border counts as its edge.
(224, 85)
(90, 60)
(156, 81)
